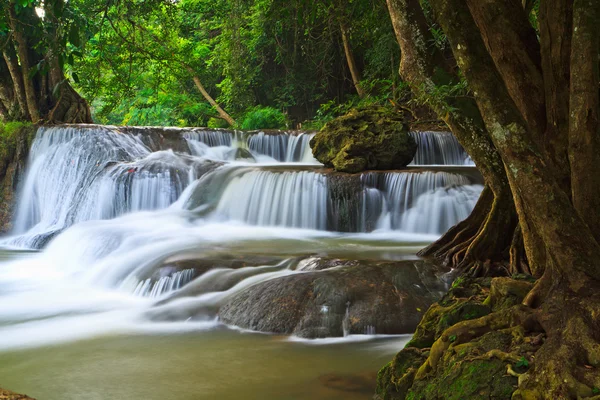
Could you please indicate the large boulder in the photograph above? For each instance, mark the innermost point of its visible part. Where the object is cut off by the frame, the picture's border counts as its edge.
(365, 138)
(337, 297)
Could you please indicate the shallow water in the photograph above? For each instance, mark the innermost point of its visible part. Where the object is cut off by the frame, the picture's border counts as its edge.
(220, 364)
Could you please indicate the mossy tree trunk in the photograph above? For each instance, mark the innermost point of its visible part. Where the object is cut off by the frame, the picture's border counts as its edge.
(549, 149)
(476, 244)
(35, 87)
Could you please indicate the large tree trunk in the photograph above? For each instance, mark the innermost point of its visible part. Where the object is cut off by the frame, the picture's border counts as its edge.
(584, 125)
(23, 52)
(566, 296)
(475, 244)
(17, 78)
(555, 40)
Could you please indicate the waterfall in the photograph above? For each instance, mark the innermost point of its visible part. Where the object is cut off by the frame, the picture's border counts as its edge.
(280, 146)
(77, 174)
(116, 210)
(439, 148)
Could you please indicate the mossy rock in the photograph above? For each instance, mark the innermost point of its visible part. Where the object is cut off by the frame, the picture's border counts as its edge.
(365, 138)
(463, 301)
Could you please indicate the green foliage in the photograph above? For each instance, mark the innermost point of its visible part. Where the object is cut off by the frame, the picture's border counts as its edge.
(522, 363)
(452, 338)
(264, 118)
(8, 137)
(136, 59)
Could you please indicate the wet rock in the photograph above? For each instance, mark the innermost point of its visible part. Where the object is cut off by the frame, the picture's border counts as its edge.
(350, 298)
(365, 138)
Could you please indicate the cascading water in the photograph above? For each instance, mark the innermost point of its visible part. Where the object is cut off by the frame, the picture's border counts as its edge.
(129, 200)
(439, 148)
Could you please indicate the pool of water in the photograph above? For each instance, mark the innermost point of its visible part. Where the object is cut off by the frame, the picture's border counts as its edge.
(220, 364)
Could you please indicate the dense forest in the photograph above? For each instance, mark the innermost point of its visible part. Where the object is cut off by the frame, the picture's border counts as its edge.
(516, 82)
(198, 63)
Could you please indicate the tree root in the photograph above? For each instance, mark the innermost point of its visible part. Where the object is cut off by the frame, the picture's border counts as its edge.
(479, 246)
(466, 331)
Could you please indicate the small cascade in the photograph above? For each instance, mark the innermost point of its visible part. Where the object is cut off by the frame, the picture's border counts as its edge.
(283, 147)
(295, 199)
(439, 148)
(165, 284)
(212, 138)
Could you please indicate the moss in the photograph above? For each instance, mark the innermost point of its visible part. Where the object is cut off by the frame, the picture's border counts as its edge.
(9, 134)
(365, 138)
(475, 369)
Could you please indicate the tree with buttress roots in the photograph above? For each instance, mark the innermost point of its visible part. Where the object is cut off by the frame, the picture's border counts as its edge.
(530, 121)
(37, 41)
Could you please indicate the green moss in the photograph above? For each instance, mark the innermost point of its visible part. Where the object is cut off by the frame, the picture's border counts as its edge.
(8, 138)
(365, 138)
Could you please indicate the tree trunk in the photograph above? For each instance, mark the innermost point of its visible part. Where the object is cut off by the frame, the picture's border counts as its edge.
(584, 126)
(209, 98)
(17, 78)
(516, 54)
(351, 62)
(567, 293)
(23, 52)
(424, 68)
(555, 19)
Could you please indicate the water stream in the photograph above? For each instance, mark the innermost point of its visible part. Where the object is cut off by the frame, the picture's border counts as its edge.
(128, 243)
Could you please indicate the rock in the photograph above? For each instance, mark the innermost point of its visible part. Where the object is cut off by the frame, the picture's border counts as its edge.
(6, 395)
(365, 138)
(349, 298)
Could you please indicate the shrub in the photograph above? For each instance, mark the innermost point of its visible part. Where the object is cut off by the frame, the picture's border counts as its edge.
(264, 118)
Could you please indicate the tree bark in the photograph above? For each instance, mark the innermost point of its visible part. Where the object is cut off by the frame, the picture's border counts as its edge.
(584, 125)
(354, 72)
(23, 52)
(516, 54)
(556, 21)
(17, 78)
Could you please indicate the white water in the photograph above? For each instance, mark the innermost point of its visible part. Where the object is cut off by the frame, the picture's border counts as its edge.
(118, 211)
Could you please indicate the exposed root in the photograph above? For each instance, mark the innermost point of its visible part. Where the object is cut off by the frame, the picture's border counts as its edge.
(479, 246)
(466, 331)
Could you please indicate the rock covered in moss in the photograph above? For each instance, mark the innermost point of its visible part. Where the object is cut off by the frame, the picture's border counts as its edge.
(365, 138)
(483, 366)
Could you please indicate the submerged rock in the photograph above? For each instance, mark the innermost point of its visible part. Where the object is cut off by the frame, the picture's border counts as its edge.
(347, 298)
(365, 138)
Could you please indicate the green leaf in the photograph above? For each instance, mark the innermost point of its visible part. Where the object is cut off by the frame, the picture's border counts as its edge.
(75, 77)
(522, 363)
(452, 338)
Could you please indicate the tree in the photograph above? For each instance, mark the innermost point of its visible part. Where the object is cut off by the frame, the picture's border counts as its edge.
(530, 121)
(35, 51)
